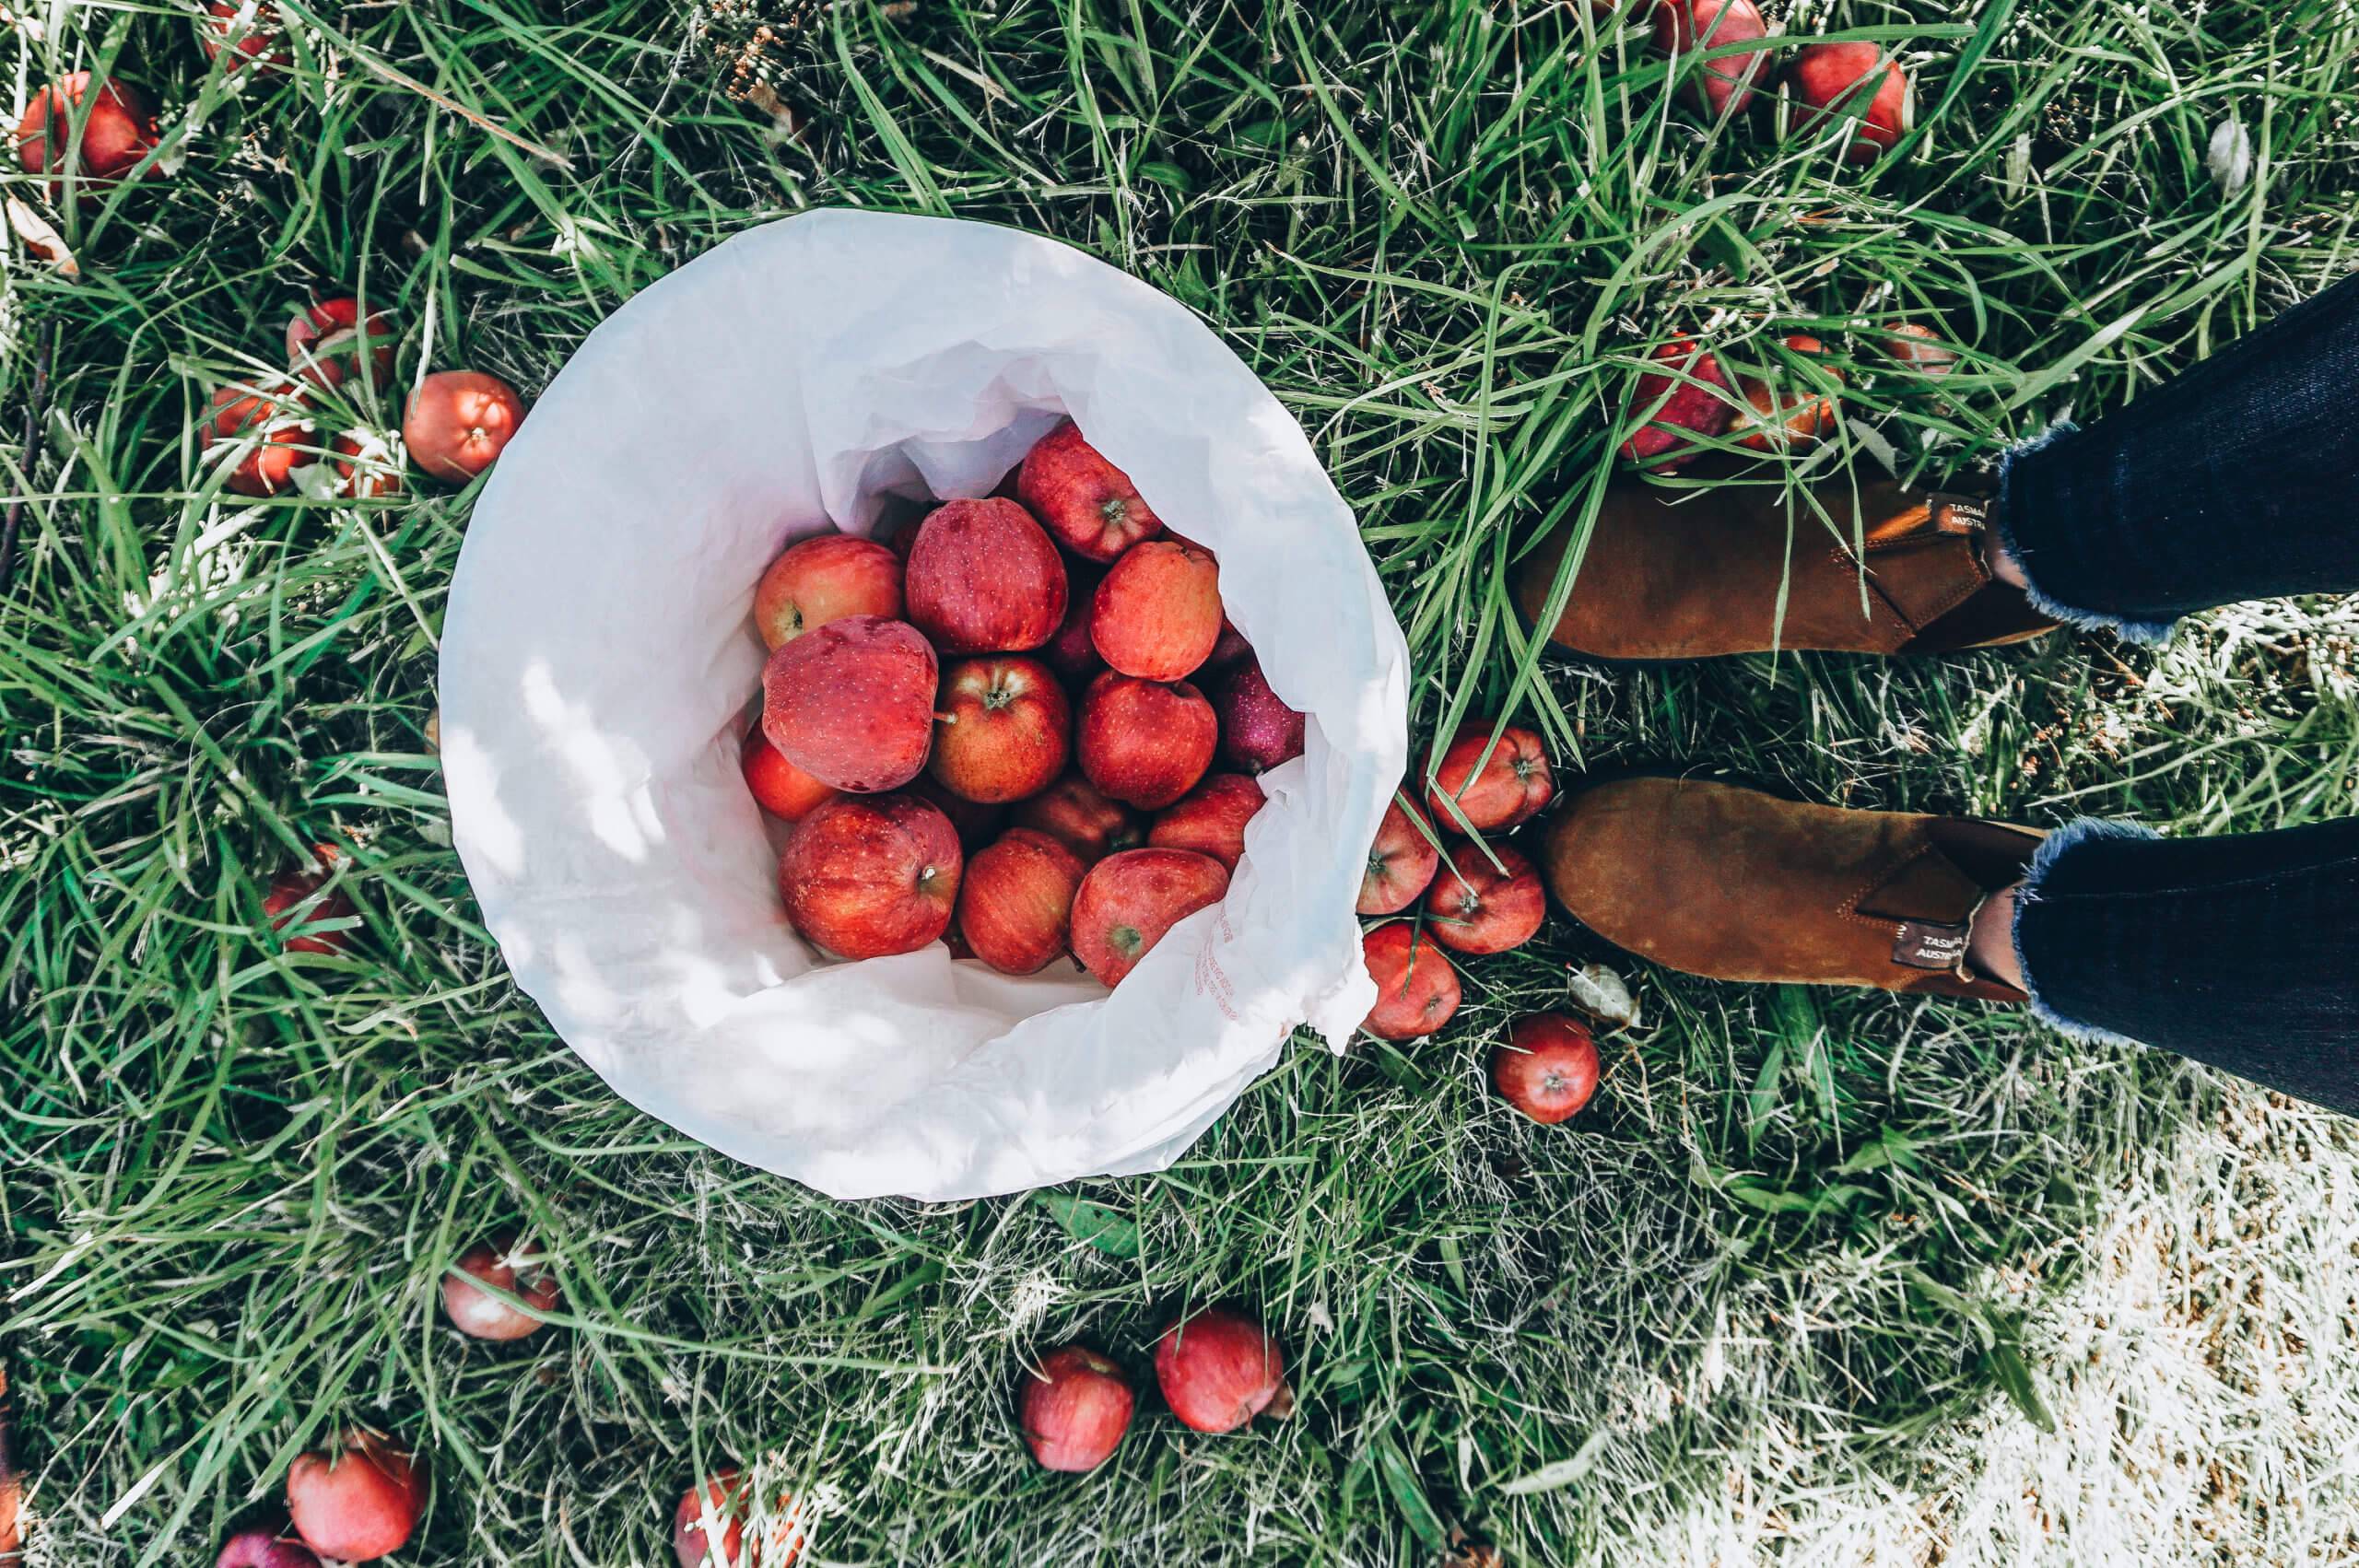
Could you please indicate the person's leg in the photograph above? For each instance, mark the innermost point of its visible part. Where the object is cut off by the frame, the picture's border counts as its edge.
(2234, 481)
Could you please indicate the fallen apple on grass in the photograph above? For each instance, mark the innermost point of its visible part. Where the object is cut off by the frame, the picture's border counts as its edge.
(1073, 1409)
(1145, 743)
(366, 467)
(1678, 403)
(825, 578)
(245, 31)
(1258, 730)
(1416, 987)
(1775, 418)
(1015, 901)
(1157, 615)
(358, 1500)
(851, 703)
(264, 1549)
(1490, 784)
(1917, 347)
(1220, 1369)
(1074, 812)
(710, 1526)
(1401, 864)
(457, 422)
(778, 786)
(289, 891)
(983, 578)
(1548, 1068)
(1129, 901)
(868, 876)
(502, 1265)
(271, 420)
(1480, 908)
(1685, 27)
(1002, 729)
(326, 342)
(1858, 82)
(1211, 818)
(1090, 504)
(120, 130)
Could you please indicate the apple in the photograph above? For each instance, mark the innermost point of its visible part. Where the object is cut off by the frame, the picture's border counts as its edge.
(1076, 815)
(1401, 864)
(1769, 421)
(1073, 1409)
(365, 465)
(1211, 818)
(1145, 743)
(1416, 988)
(1218, 1370)
(977, 823)
(709, 1527)
(777, 785)
(1917, 347)
(817, 580)
(291, 888)
(247, 1548)
(1674, 406)
(119, 132)
(1257, 730)
(1858, 82)
(271, 419)
(1231, 648)
(869, 876)
(1157, 614)
(983, 579)
(1682, 27)
(1491, 785)
(358, 1501)
(1130, 900)
(458, 421)
(326, 343)
(851, 703)
(245, 31)
(502, 1265)
(1090, 504)
(1015, 901)
(1070, 653)
(1548, 1068)
(1003, 729)
(1480, 907)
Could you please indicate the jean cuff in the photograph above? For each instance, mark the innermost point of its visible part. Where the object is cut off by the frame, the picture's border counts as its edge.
(2052, 848)
(2149, 634)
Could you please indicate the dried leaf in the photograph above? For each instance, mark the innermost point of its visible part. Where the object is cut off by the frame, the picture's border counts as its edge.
(2230, 157)
(40, 239)
(1604, 994)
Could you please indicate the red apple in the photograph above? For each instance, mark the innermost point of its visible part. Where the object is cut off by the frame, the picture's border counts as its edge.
(1917, 345)
(1003, 729)
(1480, 908)
(1129, 900)
(869, 876)
(271, 419)
(1258, 730)
(778, 786)
(1416, 989)
(326, 343)
(1858, 82)
(851, 703)
(1145, 743)
(458, 421)
(291, 888)
(1157, 614)
(1015, 901)
(1548, 1068)
(360, 1501)
(1682, 27)
(1218, 1370)
(977, 823)
(1401, 864)
(1076, 815)
(826, 579)
(983, 579)
(502, 1265)
(247, 1548)
(1074, 1408)
(709, 1527)
(119, 132)
(1231, 648)
(252, 41)
(1071, 653)
(1089, 504)
(1491, 785)
(1674, 406)
(366, 465)
(1211, 818)
(1770, 421)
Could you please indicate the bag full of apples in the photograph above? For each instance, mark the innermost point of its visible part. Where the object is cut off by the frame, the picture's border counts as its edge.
(915, 710)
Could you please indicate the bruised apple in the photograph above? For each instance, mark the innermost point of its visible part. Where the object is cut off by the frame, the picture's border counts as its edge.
(1258, 730)
(1003, 729)
(1218, 1370)
(851, 703)
(1548, 1068)
(1858, 82)
(870, 876)
(710, 1526)
(1770, 421)
(356, 1502)
(1074, 1408)
(1089, 504)
(1416, 988)
(120, 130)
(501, 1264)
(1076, 815)
(270, 419)
(1157, 614)
(1129, 900)
(1211, 818)
(983, 578)
(1480, 908)
(1015, 901)
(1145, 743)
(1401, 864)
(1679, 401)
(817, 580)
(1491, 784)
(1682, 27)
(458, 421)
(778, 786)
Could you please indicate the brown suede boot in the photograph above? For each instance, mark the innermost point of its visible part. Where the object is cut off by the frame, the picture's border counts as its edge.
(1736, 884)
(1695, 574)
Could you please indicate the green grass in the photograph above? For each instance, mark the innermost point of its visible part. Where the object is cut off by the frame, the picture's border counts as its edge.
(1791, 1246)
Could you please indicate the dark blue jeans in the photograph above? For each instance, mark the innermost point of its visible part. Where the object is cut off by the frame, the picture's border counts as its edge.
(2238, 480)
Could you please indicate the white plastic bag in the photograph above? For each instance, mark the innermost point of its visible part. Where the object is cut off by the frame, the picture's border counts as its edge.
(597, 660)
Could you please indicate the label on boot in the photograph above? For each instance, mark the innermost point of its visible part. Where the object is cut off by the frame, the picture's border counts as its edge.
(1922, 945)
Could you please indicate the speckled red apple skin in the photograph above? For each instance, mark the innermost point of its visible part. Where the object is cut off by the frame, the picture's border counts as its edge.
(851, 703)
(1157, 614)
(1129, 901)
(1145, 743)
(1015, 901)
(1218, 1370)
(1480, 908)
(1258, 730)
(1548, 1068)
(871, 876)
(984, 579)
(1073, 1409)
(1211, 818)
(1090, 504)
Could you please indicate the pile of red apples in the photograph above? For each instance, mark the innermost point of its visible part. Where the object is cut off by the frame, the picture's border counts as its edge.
(1025, 725)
